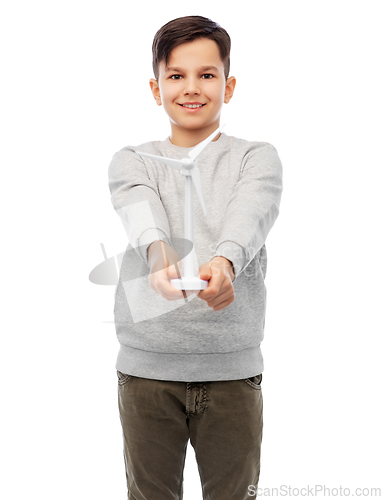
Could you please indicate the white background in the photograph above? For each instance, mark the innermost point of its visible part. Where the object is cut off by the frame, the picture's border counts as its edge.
(74, 91)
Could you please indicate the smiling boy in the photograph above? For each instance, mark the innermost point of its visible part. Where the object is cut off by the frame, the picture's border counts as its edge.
(191, 369)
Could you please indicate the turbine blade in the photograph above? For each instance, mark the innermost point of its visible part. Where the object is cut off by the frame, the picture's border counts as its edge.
(195, 174)
(200, 147)
(178, 164)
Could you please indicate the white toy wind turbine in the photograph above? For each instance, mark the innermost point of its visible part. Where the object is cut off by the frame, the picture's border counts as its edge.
(188, 167)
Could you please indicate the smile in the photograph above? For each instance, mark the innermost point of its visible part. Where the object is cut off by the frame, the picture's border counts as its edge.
(191, 106)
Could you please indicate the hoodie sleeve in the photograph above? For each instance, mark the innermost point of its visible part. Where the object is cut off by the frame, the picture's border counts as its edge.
(136, 199)
(253, 207)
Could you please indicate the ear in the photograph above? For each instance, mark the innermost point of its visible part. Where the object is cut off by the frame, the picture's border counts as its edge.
(155, 90)
(229, 88)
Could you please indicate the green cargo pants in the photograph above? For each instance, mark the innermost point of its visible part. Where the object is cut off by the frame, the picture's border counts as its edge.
(223, 420)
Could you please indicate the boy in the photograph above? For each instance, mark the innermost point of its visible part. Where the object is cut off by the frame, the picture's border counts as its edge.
(190, 368)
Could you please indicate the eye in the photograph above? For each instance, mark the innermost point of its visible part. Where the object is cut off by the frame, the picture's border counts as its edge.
(208, 75)
(175, 77)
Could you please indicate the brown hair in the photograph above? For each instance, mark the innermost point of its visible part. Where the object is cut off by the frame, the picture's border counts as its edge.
(186, 29)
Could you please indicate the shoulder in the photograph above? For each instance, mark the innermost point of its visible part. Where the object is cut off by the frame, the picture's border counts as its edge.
(145, 146)
(128, 155)
(254, 153)
(245, 146)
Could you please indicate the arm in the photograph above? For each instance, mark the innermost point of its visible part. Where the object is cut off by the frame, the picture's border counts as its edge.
(251, 212)
(136, 199)
(253, 207)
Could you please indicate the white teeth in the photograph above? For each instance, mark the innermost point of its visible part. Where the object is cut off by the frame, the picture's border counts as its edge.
(192, 105)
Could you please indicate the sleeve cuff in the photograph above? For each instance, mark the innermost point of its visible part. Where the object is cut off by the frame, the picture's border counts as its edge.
(233, 252)
(148, 237)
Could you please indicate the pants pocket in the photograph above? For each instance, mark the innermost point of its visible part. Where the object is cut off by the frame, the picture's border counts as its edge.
(123, 378)
(255, 382)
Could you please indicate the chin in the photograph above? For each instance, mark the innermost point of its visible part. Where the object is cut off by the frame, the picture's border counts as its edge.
(196, 121)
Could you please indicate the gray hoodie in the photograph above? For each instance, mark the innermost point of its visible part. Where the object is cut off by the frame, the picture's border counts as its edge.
(186, 340)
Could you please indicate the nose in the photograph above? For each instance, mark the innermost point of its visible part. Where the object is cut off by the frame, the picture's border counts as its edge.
(191, 87)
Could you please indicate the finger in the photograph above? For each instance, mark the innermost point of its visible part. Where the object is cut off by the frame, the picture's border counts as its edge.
(222, 297)
(174, 270)
(214, 287)
(224, 304)
(204, 274)
(162, 285)
(169, 292)
(174, 273)
(205, 271)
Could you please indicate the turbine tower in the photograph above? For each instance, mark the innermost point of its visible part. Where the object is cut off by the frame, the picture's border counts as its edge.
(189, 168)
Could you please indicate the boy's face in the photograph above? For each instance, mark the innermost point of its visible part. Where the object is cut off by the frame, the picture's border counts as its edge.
(195, 74)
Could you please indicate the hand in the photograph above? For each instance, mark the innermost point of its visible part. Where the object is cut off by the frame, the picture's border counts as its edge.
(220, 292)
(165, 264)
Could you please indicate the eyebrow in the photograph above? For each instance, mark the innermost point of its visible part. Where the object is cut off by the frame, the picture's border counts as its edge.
(203, 68)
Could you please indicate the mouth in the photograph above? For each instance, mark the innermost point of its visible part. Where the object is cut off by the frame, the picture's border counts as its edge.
(192, 108)
(195, 105)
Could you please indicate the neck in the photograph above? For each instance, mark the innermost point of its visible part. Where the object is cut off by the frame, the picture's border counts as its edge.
(188, 138)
